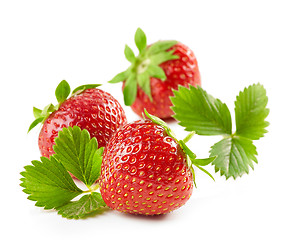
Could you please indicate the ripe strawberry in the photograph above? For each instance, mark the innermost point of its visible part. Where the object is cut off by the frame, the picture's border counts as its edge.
(146, 170)
(88, 107)
(154, 73)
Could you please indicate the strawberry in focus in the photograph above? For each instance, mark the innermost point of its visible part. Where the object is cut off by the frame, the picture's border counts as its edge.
(88, 108)
(154, 73)
(146, 170)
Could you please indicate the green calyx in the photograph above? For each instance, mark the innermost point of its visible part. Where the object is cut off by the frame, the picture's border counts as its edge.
(191, 159)
(62, 92)
(144, 66)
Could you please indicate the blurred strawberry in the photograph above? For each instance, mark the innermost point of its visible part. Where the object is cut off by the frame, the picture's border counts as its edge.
(154, 73)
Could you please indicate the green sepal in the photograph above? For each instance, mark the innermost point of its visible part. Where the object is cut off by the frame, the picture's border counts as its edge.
(160, 122)
(62, 91)
(48, 109)
(187, 150)
(204, 161)
(41, 115)
(162, 57)
(140, 39)
(120, 77)
(37, 112)
(161, 46)
(156, 71)
(35, 123)
(144, 83)
(129, 54)
(192, 160)
(189, 136)
(82, 88)
(205, 171)
(130, 90)
(145, 65)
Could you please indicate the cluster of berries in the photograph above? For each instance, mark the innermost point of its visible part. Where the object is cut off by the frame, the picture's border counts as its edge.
(145, 169)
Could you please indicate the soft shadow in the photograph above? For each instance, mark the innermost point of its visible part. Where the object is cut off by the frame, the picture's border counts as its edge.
(146, 217)
(170, 120)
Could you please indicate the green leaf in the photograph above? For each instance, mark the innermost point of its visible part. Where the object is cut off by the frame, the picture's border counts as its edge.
(235, 155)
(35, 123)
(140, 39)
(130, 90)
(156, 71)
(129, 54)
(62, 91)
(251, 111)
(79, 154)
(144, 83)
(198, 111)
(161, 46)
(48, 183)
(84, 206)
(84, 87)
(119, 77)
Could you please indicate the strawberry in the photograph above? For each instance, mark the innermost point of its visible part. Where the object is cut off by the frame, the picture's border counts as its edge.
(154, 73)
(146, 170)
(88, 107)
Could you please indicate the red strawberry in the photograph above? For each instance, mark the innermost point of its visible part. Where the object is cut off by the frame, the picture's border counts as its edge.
(154, 73)
(146, 170)
(88, 107)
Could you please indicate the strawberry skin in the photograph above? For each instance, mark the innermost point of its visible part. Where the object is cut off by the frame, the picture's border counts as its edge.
(182, 71)
(93, 109)
(144, 171)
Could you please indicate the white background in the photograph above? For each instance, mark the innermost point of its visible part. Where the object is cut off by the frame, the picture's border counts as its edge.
(237, 43)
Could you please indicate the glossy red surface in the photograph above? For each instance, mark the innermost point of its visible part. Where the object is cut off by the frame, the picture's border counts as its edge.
(94, 110)
(144, 171)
